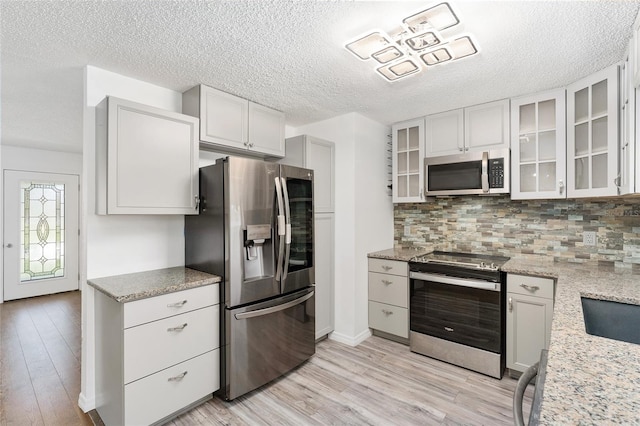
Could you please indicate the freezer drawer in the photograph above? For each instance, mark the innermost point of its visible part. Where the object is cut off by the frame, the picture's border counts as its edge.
(266, 340)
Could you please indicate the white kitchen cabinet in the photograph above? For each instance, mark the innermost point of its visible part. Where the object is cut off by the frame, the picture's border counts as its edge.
(318, 155)
(444, 133)
(156, 357)
(486, 126)
(389, 298)
(408, 153)
(538, 146)
(592, 135)
(529, 315)
(234, 125)
(146, 160)
(627, 146)
(324, 269)
(475, 128)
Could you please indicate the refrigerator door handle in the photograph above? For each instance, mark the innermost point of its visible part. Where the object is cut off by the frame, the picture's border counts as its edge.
(287, 237)
(281, 229)
(277, 308)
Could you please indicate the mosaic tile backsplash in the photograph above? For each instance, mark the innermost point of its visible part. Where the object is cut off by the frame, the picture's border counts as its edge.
(500, 225)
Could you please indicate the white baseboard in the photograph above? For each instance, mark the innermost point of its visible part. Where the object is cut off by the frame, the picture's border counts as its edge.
(86, 404)
(350, 340)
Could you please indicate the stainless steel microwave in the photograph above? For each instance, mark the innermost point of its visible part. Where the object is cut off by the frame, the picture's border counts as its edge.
(483, 173)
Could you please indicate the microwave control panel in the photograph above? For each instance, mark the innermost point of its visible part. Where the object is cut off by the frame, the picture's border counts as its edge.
(496, 173)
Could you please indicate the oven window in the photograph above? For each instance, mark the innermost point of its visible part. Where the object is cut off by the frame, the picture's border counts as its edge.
(464, 315)
(442, 177)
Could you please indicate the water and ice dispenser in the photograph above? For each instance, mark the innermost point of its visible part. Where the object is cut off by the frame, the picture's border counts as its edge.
(257, 251)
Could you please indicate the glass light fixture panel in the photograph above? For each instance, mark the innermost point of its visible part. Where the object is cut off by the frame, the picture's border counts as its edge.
(397, 70)
(436, 57)
(462, 47)
(367, 45)
(424, 41)
(439, 17)
(387, 54)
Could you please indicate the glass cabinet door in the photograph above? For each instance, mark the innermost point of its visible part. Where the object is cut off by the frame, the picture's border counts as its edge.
(592, 135)
(538, 146)
(408, 154)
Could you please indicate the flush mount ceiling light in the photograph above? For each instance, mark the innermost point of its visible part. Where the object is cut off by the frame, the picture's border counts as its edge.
(416, 45)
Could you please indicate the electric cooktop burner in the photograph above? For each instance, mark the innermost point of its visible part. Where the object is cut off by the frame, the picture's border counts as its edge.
(463, 260)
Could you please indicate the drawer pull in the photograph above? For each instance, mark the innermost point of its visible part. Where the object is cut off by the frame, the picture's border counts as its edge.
(177, 304)
(531, 288)
(178, 377)
(178, 328)
(386, 282)
(387, 268)
(510, 304)
(449, 329)
(386, 312)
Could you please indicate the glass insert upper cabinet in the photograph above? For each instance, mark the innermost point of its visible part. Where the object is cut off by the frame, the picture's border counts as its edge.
(408, 152)
(592, 135)
(538, 148)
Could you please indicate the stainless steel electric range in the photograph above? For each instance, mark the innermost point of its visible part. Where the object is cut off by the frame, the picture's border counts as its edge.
(457, 309)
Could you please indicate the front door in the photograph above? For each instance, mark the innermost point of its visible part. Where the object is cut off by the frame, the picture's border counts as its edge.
(40, 233)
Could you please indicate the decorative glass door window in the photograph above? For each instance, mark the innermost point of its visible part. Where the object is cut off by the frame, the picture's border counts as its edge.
(42, 230)
(408, 154)
(538, 146)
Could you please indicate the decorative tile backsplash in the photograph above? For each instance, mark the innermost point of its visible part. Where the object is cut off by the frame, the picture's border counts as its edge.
(500, 225)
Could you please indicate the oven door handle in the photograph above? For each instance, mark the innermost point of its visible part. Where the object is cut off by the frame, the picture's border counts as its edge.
(483, 285)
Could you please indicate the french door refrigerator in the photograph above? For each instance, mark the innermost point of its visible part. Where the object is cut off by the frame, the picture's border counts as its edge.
(255, 229)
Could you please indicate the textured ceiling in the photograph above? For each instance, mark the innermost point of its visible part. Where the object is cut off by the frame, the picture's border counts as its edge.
(287, 55)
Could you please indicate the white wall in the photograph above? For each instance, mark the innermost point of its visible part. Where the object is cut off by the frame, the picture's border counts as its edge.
(118, 244)
(363, 213)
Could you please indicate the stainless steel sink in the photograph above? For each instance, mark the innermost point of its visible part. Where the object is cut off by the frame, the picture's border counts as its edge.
(613, 320)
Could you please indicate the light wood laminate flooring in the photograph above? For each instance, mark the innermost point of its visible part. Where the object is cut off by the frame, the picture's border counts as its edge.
(40, 361)
(379, 382)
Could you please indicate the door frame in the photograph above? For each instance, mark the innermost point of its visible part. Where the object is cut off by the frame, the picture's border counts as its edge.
(44, 161)
(71, 279)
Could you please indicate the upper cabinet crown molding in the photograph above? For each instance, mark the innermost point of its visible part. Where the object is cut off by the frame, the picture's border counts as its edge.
(592, 135)
(146, 160)
(235, 125)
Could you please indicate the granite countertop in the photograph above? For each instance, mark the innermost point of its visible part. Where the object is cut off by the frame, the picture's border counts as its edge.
(400, 254)
(140, 285)
(589, 379)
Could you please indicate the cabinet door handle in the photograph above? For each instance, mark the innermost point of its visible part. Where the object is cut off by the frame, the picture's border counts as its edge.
(561, 186)
(177, 304)
(178, 328)
(178, 377)
(531, 288)
(387, 268)
(386, 312)
(197, 202)
(386, 282)
(510, 304)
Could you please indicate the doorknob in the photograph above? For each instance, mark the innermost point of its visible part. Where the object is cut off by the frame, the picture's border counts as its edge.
(9, 245)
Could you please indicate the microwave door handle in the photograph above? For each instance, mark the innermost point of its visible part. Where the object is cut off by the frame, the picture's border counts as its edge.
(485, 172)
(281, 228)
(287, 229)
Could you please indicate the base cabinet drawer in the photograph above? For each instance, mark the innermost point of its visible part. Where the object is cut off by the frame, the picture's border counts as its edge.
(156, 345)
(167, 391)
(385, 266)
(389, 289)
(388, 318)
(166, 305)
(530, 286)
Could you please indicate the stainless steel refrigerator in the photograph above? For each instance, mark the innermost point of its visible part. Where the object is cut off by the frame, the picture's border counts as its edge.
(255, 229)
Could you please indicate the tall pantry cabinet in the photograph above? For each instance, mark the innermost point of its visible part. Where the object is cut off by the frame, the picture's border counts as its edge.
(318, 155)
